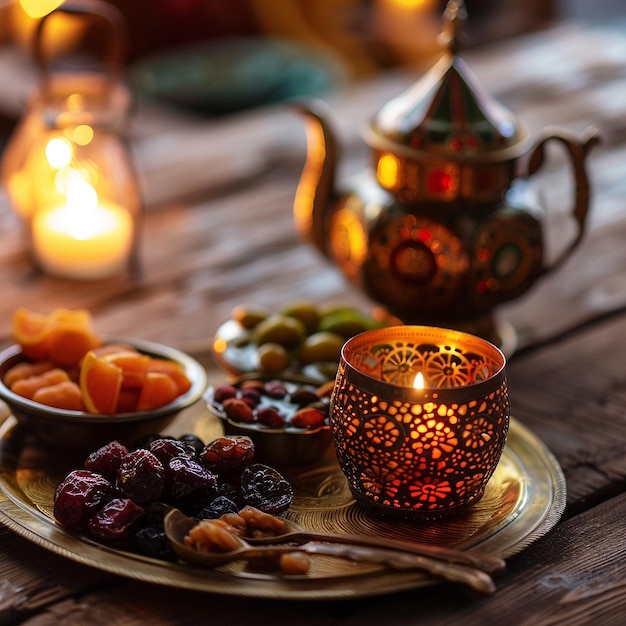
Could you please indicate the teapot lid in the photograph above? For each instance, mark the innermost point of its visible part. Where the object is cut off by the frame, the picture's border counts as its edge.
(447, 113)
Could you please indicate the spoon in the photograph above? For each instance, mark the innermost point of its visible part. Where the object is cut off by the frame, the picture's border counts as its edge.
(177, 525)
(298, 536)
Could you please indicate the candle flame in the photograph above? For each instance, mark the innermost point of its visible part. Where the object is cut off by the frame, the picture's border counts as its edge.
(82, 206)
(418, 383)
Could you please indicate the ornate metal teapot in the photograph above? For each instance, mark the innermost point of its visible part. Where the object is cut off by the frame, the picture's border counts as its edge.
(444, 227)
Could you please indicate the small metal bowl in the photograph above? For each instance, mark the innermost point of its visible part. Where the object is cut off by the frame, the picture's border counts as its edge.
(285, 447)
(77, 429)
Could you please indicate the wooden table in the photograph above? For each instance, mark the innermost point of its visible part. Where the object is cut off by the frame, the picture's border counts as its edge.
(219, 232)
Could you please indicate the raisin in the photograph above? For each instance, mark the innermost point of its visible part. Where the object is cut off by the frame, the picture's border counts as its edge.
(238, 410)
(266, 489)
(269, 416)
(187, 480)
(194, 441)
(166, 449)
(152, 541)
(231, 452)
(116, 520)
(218, 507)
(79, 496)
(141, 476)
(107, 459)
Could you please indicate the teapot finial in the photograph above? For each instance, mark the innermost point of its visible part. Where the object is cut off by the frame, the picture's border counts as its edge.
(453, 36)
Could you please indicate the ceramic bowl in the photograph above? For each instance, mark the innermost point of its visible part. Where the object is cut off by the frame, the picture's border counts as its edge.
(286, 446)
(77, 429)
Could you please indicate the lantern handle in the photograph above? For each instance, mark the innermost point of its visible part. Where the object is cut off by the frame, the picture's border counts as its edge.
(577, 150)
(97, 11)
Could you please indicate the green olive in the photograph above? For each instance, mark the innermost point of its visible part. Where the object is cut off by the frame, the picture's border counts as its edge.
(289, 332)
(273, 357)
(344, 322)
(321, 346)
(305, 311)
(250, 315)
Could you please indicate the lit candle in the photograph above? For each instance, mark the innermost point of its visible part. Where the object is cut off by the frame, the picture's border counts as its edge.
(85, 238)
(414, 450)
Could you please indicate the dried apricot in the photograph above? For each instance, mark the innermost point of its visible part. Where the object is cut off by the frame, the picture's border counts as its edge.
(158, 390)
(173, 370)
(63, 395)
(100, 383)
(30, 330)
(25, 369)
(27, 387)
(134, 367)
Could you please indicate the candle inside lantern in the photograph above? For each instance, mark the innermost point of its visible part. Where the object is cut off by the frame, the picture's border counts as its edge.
(84, 238)
(413, 450)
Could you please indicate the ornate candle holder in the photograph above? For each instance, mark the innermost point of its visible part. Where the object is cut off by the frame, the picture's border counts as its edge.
(419, 417)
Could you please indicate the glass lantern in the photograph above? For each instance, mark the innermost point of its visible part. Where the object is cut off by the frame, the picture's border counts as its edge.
(67, 168)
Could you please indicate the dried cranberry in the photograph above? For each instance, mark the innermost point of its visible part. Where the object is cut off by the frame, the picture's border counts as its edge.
(275, 389)
(223, 392)
(266, 489)
(238, 410)
(79, 496)
(231, 452)
(308, 418)
(167, 449)
(252, 394)
(269, 416)
(107, 459)
(141, 476)
(187, 480)
(115, 520)
(304, 396)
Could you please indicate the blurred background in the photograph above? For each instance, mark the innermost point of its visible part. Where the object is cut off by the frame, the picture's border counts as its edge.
(217, 57)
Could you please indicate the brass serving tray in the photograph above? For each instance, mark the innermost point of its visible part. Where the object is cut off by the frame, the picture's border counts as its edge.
(524, 499)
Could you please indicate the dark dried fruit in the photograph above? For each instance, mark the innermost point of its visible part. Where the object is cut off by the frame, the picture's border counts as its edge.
(152, 541)
(116, 520)
(187, 481)
(304, 396)
(269, 416)
(79, 496)
(308, 418)
(275, 389)
(228, 453)
(218, 507)
(107, 459)
(167, 449)
(238, 410)
(141, 476)
(266, 489)
(223, 392)
(194, 441)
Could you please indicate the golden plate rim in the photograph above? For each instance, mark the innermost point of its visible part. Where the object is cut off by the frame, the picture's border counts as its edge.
(538, 507)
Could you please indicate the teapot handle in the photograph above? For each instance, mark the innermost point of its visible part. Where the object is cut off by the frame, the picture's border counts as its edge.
(97, 12)
(577, 150)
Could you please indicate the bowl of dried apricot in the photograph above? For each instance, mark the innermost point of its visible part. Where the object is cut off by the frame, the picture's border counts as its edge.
(71, 387)
(286, 417)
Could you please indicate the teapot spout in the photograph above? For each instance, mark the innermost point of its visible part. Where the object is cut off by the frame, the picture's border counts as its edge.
(316, 189)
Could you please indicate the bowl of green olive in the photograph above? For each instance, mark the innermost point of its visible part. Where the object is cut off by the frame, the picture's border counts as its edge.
(302, 337)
